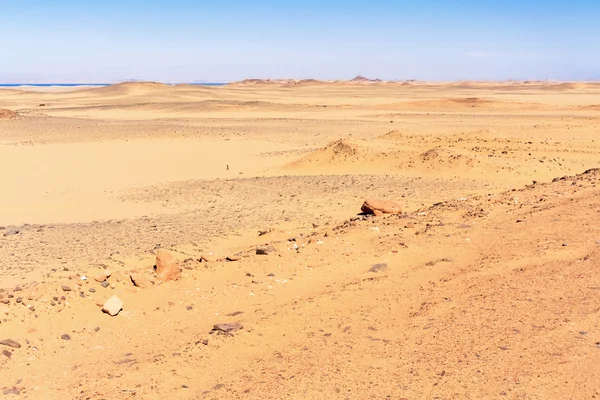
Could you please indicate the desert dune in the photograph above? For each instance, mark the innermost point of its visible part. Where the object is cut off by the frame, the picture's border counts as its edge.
(485, 285)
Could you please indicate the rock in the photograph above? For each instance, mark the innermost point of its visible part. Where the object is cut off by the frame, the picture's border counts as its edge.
(167, 267)
(378, 267)
(235, 257)
(18, 288)
(92, 290)
(6, 353)
(10, 343)
(112, 306)
(12, 390)
(266, 249)
(233, 314)
(209, 257)
(105, 284)
(119, 277)
(65, 337)
(101, 276)
(230, 327)
(65, 288)
(12, 232)
(379, 207)
(140, 281)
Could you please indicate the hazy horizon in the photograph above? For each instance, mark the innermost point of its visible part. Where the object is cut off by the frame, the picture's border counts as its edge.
(185, 41)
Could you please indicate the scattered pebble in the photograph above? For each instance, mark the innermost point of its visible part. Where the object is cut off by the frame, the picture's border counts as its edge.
(65, 337)
(65, 288)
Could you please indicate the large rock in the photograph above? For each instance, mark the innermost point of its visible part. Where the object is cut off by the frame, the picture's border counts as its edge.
(380, 207)
(112, 306)
(167, 267)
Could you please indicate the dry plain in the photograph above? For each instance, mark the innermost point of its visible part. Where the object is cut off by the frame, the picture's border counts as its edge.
(490, 285)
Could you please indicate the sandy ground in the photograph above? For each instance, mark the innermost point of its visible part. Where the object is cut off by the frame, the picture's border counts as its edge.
(489, 287)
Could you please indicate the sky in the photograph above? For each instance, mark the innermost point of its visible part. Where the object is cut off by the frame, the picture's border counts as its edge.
(107, 41)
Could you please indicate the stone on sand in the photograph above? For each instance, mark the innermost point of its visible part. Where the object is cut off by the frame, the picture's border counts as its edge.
(140, 281)
(266, 249)
(380, 206)
(112, 306)
(12, 232)
(167, 267)
(101, 276)
(378, 267)
(10, 343)
(229, 327)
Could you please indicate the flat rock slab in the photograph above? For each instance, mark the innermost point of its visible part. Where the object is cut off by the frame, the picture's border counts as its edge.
(10, 343)
(113, 306)
(230, 327)
(378, 267)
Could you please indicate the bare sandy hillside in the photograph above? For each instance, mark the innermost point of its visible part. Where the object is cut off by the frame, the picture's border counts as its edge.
(269, 282)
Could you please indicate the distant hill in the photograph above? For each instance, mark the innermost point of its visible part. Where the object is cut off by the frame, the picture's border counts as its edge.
(361, 78)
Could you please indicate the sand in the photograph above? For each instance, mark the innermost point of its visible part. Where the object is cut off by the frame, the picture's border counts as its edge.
(486, 286)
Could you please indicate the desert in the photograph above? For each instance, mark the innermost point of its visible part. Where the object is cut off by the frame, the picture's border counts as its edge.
(201, 242)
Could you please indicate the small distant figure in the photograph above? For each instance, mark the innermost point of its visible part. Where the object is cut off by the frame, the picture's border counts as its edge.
(227, 167)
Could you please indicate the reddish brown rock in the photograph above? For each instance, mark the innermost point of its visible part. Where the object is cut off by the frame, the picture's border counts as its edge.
(380, 207)
(7, 114)
(101, 276)
(167, 267)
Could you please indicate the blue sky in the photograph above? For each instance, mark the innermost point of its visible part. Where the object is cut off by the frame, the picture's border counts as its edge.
(181, 40)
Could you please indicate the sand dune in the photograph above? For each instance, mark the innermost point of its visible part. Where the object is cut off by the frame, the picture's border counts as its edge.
(485, 287)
